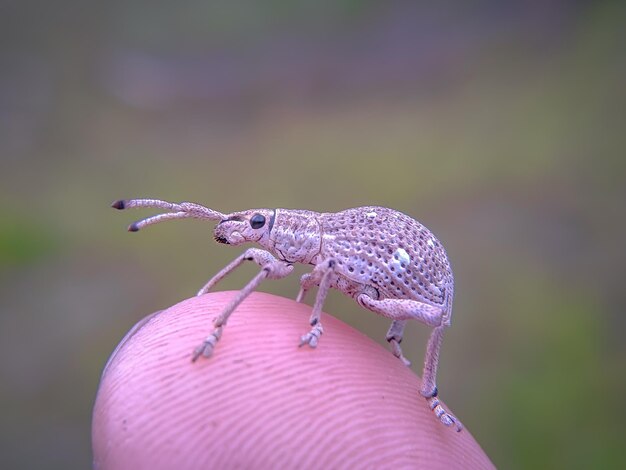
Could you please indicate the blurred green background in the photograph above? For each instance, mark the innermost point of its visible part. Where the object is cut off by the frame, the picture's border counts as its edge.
(499, 125)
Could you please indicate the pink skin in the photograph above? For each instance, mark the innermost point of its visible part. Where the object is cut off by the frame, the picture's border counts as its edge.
(262, 402)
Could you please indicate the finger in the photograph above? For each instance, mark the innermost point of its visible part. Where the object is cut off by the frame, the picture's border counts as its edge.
(262, 402)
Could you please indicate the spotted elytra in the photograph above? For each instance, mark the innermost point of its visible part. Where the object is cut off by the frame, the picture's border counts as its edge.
(387, 261)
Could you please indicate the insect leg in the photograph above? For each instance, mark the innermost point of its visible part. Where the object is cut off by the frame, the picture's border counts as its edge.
(322, 275)
(306, 282)
(429, 376)
(260, 257)
(271, 269)
(404, 309)
(394, 337)
(400, 310)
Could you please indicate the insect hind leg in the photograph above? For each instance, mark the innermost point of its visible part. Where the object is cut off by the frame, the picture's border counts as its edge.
(429, 379)
(435, 317)
(394, 338)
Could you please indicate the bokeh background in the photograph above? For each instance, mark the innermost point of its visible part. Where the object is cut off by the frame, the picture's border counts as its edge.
(499, 125)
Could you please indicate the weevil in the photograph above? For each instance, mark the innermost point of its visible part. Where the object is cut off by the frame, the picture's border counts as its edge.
(385, 260)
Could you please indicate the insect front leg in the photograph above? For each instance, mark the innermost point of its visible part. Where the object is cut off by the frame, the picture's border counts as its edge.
(321, 275)
(260, 257)
(404, 309)
(271, 269)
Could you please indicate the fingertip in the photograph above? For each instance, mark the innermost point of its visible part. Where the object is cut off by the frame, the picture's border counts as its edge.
(260, 392)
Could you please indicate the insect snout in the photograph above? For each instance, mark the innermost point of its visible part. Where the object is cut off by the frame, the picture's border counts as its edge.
(220, 239)
(229, 232)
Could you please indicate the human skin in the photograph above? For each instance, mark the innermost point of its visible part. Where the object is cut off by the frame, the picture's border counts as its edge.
(262, 402)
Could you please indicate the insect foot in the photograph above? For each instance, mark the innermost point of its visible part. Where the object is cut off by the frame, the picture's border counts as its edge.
(207, 346)
(313, 336)
(394, 338)
(446, 418)
(397, 351)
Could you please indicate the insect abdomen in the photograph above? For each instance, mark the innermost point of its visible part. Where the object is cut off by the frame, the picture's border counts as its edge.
(388, 250)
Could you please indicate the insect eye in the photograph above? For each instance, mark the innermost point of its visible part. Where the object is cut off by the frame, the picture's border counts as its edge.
(257, 221)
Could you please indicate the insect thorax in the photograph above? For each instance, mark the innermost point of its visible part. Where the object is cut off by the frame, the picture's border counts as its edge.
(296, 236)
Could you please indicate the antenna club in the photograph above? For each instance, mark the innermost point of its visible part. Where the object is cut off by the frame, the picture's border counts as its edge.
(119, 204)
(133, 227)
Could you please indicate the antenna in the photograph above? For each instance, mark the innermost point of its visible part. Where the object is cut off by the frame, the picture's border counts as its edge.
(182, 210)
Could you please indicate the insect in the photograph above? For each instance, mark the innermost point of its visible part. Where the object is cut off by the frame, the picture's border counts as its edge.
(385, 260)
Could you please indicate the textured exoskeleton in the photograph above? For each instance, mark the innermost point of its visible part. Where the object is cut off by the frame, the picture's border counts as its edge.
(387, 261)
